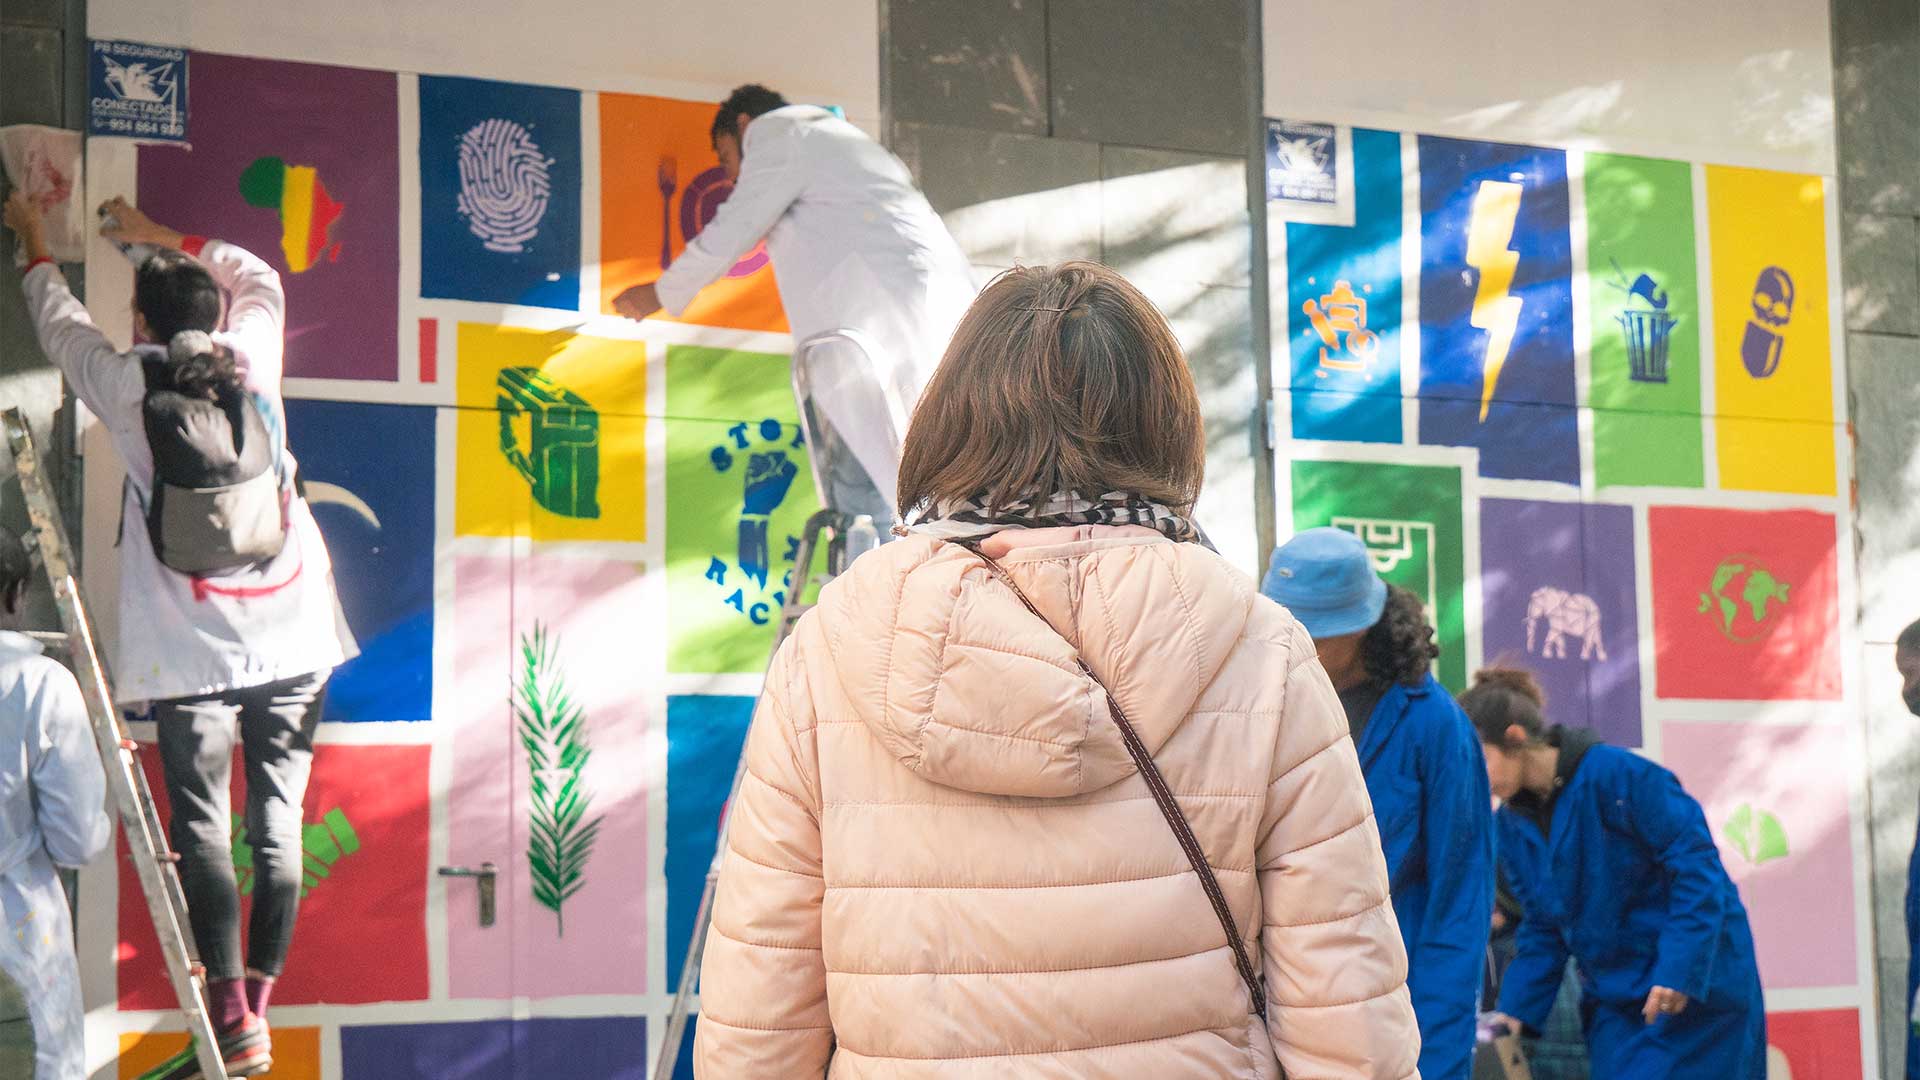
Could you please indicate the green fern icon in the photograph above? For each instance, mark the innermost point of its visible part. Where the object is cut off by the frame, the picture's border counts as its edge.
(553, 731)
(1756, 834)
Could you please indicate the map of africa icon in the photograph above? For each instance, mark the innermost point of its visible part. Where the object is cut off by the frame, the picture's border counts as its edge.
(1743, 598)
(307, 212)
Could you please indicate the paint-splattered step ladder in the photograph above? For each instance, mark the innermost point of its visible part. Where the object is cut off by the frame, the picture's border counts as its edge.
(156, 864)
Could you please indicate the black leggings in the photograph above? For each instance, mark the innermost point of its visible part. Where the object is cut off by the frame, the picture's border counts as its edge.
(275, 725)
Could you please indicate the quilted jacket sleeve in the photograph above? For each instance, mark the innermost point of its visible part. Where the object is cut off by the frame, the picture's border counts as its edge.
(1335, 966)
(763, 987)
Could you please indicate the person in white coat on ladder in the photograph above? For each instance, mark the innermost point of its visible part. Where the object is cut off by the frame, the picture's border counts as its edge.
(855, 247)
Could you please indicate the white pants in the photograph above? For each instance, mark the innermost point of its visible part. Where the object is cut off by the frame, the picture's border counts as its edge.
(36, 952)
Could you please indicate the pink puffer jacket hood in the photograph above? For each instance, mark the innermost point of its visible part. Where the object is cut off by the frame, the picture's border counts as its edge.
(943, 864)
(1046, 733)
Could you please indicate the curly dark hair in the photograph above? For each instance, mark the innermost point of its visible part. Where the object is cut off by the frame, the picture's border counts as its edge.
(753, 100)
(1399, 648)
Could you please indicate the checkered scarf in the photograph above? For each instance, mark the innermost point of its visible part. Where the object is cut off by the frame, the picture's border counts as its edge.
(971, 519)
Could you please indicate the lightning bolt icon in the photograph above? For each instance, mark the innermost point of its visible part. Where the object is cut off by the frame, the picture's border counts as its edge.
(1489, 250)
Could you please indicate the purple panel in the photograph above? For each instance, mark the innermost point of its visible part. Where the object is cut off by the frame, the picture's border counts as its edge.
(1558, 593)
(343, 307)
(588, 1048)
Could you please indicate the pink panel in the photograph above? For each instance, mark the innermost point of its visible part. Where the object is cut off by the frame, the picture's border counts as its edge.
(596, 942)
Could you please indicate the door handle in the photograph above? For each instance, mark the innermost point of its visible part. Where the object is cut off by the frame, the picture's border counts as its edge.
(485, 874)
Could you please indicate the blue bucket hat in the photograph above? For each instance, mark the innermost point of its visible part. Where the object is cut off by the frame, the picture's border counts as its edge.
(1326, 579)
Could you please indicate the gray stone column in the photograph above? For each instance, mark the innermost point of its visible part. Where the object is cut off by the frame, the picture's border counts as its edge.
(1876, 46)
(1046, 130)
(43, 47)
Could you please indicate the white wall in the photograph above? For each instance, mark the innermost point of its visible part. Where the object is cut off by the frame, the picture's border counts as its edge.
(1745, 82)
(822, 51)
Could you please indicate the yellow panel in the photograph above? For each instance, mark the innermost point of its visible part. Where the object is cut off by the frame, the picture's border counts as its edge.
(1773, 357)
(569, 463)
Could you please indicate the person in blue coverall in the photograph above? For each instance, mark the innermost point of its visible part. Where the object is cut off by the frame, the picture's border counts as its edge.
(1612, 862)
(1906, 658)
(1423, 770)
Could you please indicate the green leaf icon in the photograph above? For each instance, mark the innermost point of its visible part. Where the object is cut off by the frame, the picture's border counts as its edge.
(553, 733)
(1756, 834)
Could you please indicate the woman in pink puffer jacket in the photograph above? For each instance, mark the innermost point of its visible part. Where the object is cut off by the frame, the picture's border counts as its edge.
(944, 863)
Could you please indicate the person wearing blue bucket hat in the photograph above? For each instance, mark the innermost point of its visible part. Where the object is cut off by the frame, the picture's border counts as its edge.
(1424, 770)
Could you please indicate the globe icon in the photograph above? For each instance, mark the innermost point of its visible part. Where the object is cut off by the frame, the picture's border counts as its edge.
(1744, 598)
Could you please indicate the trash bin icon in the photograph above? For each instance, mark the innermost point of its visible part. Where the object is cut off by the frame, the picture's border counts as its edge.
(1646, 333)
(561, 458)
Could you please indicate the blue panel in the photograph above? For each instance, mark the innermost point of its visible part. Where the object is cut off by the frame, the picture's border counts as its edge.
(1496, 307)
(1343, 307)
(704, 738)
(499, 192)
(369, 475)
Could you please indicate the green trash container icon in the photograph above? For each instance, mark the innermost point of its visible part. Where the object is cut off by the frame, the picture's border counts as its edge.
(561, 458)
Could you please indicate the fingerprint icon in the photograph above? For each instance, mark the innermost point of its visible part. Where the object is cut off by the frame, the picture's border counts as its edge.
(504, 186)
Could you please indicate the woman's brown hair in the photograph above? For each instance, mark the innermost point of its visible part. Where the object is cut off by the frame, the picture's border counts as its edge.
(1058, 379)
(1502, 697)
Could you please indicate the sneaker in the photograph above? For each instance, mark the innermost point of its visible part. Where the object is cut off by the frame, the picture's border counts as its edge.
(247, 1051)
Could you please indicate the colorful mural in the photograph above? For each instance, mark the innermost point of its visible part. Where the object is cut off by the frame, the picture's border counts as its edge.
(1506, 377)
(1636, 356)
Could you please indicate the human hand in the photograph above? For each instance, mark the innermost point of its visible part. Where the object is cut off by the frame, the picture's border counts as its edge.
(131, 226)
(1498, 1024)
(1662, 1001)
(23, 217)
(638, 302)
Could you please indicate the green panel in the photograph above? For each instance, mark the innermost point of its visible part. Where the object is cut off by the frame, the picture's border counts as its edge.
(739, 492)
(1646, 344)
(1410, 517)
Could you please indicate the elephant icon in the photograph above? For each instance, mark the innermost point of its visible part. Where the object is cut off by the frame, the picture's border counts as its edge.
(1567, 614)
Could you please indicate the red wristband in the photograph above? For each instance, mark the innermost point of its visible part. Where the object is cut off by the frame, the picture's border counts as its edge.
(46, 259)
(192, 245)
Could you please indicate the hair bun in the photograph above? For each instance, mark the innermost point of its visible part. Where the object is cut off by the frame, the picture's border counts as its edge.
(1517, 680)
(187, 344)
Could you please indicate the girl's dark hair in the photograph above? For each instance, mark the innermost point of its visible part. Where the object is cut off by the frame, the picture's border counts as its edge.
(203, 368)
(1399, 647)
(174, 293)
(1502, 697)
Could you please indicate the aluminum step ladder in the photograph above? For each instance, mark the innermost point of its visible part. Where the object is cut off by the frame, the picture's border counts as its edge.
(823, 449)
(157, 864)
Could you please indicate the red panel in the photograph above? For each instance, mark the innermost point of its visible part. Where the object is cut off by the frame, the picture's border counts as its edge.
(362, 932)
(429, 350)
(1822, 1044)
(1745, 604)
